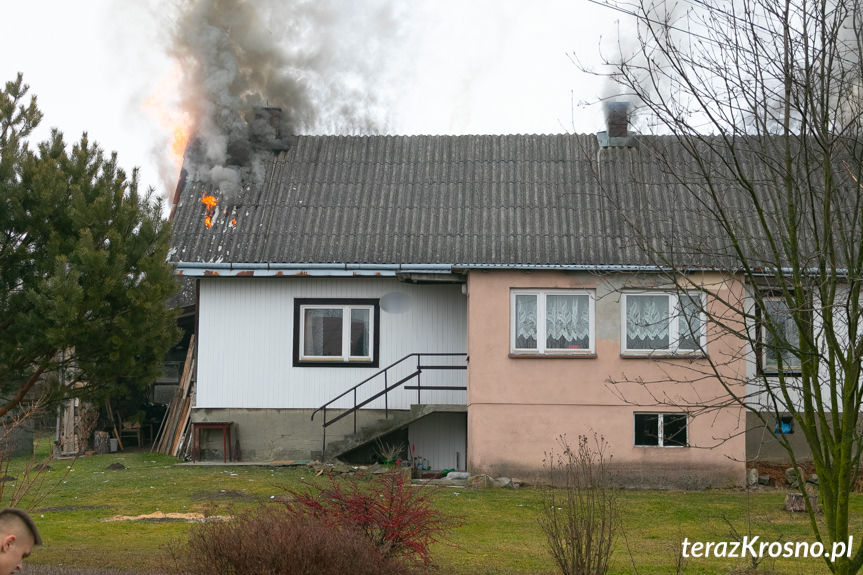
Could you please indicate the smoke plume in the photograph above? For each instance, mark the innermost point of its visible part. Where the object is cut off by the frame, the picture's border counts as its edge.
(242, 58)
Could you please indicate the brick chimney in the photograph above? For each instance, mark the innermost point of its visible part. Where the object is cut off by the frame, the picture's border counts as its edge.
(617, 126)
(268, 130)
(617, 119)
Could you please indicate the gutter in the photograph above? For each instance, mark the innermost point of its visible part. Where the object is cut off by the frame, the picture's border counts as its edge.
(201, 269)
(226, 269)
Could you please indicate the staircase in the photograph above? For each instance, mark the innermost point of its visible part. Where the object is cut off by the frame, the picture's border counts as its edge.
(405, 373)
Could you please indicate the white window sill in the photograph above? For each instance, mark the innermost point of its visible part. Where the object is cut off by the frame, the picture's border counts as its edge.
(566, 355)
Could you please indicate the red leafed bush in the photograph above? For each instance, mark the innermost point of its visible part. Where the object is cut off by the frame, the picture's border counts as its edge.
(268, 540)
(397, 518)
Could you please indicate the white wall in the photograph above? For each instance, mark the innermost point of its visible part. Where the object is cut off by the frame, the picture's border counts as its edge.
(758, 398)
(245, 341)
(442, 439)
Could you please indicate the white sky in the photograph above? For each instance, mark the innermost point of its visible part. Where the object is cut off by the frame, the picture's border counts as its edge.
(477, 66)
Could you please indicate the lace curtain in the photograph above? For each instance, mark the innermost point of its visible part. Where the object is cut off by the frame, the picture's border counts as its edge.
(525, 321)
(567, 321)
(647, 321)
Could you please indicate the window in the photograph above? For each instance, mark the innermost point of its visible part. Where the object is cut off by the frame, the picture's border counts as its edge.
(663, 322)
(661, 430)
(334, 332)
(552, 322)
(780, 341)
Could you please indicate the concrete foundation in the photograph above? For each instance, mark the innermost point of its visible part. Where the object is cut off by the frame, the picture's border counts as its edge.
(266, 435)
(762, 443)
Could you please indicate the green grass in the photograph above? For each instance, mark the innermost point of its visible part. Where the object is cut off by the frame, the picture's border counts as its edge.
(500, 533)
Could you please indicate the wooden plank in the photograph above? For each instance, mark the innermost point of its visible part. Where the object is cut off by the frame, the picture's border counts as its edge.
(181, 425)
(160, 443)
(176, 410)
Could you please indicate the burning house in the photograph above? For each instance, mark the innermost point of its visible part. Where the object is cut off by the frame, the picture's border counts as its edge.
(460, 300)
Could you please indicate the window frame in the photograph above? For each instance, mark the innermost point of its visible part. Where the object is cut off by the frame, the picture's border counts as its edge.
(541, 349)
(346, 305)
(761, 349)
(660, 429)
(674, 317)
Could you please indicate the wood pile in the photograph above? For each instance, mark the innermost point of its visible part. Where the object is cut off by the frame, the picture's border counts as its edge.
(173, 436)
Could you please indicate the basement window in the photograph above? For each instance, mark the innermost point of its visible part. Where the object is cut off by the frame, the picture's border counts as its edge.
(336, 332)
(661, 430)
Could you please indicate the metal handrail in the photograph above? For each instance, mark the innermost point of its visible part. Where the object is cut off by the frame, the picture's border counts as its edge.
(385, 391)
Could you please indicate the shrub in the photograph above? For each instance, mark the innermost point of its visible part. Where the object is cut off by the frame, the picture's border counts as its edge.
(269, 540)
(580, 510)
(395, 517)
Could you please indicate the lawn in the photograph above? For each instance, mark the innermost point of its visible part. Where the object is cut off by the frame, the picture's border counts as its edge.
(500, 533)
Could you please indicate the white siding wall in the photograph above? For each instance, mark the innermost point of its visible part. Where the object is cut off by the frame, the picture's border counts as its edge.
(245, 341)
(757, 398)
(442, 439)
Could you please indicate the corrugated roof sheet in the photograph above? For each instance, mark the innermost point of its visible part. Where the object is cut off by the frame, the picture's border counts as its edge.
(514, 199)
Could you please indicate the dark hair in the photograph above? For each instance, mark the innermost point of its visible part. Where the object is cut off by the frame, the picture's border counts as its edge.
(12, 514)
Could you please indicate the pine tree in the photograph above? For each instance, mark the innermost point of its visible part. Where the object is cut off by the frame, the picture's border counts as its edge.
(83, 272)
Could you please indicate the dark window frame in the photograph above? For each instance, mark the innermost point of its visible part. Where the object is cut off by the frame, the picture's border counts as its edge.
(660, 433)
(760, 352)
(375, 336)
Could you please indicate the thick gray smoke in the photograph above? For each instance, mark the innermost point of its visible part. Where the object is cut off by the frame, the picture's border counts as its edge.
(318, 61)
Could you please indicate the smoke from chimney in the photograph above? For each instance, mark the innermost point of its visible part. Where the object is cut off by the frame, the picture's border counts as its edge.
(616, 119)
(256, 72)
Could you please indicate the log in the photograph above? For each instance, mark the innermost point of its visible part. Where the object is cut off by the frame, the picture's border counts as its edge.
(101, 443)
(796, 502)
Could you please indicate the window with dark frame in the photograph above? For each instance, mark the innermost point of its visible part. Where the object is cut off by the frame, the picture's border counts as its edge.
(336, 332)
(774, 313)
(661, 430)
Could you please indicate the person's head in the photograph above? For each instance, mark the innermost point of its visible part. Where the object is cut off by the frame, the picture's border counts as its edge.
(18, 535)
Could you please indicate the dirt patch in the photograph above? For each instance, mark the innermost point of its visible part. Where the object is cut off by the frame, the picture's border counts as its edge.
(162, 517)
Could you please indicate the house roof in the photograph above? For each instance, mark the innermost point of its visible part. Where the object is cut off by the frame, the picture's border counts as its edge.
(496, 201)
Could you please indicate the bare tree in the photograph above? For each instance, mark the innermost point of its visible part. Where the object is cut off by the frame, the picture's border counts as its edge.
(755, 170)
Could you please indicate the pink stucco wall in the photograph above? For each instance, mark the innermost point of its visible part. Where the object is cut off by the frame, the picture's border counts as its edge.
(518, 407)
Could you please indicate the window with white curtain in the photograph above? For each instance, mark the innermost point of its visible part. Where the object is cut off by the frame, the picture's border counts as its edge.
(552, 322)
(662, 322)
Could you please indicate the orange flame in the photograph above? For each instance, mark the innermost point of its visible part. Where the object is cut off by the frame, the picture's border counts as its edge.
(165, 107)
(210, 202)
